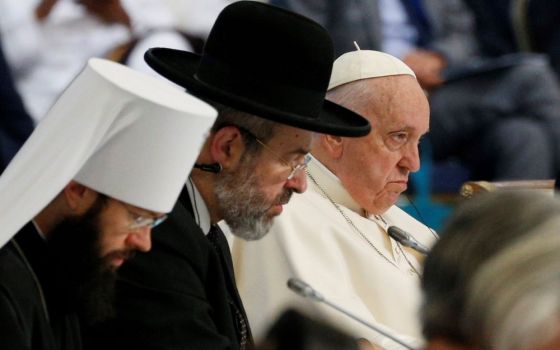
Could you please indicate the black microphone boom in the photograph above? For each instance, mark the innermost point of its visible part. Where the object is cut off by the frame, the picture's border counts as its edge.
(406, 239)
(305, 290)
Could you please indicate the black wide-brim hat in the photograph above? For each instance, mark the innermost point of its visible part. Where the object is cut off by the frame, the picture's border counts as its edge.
(266, 61)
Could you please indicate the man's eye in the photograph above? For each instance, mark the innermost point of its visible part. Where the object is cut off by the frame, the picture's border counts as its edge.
(396, 140)
(300, 159)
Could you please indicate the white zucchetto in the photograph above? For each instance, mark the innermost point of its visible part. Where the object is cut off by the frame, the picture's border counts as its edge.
(365, 64)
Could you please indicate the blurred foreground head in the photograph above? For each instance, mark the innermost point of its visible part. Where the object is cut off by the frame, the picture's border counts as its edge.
(493, 280)
(295, 331)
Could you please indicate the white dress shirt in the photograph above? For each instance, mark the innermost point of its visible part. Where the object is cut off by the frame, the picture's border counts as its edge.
(200, 210)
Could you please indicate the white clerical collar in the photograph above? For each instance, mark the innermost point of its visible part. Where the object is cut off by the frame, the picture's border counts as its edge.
(331, 185)
(200, 210)
(38, 229)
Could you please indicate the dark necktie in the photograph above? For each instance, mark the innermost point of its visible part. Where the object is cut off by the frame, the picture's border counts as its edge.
(220, 244)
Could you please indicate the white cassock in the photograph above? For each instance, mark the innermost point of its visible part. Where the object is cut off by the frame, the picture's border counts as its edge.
(312, 240)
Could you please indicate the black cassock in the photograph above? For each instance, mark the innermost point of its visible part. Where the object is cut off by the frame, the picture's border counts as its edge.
(180, 295)
(25, 297)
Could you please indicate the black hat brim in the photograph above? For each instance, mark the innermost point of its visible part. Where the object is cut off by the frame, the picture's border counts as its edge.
(180, 67)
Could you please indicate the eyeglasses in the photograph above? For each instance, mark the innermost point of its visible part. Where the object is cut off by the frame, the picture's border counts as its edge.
(295, 169)
(143, 222)
(140, 221)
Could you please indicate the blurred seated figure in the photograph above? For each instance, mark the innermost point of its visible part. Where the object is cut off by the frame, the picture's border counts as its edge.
(500, 118)
(296, 331)
(47, 42)
(506, 26)
(492, 281)
(131, 52)
(197, 17)
(15, 123)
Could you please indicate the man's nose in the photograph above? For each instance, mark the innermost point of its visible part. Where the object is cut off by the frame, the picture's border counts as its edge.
(298, 183)
(140, 239)
(411, 159)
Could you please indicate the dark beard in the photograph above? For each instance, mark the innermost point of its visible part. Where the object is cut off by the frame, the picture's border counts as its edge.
(83, 282)
(243, 206)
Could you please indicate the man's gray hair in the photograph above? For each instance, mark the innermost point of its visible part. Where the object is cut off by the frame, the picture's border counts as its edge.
(486, 232)
(261, 128)
(353, 95)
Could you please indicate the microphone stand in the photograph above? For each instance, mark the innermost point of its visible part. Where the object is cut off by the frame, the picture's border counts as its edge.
(305, 290)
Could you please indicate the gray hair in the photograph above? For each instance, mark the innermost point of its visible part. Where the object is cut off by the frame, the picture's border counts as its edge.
(478, 232)
(354, 95)
(261, 128)
(513, 301)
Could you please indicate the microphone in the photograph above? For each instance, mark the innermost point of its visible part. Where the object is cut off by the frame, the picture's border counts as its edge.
(406, 239)
(305, 290)
(211, 168)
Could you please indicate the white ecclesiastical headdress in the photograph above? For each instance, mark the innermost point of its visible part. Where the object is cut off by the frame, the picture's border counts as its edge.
(122, 133)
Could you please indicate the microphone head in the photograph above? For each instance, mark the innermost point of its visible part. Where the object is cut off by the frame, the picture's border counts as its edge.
(406, 239)
(304, 289)
(398, 235)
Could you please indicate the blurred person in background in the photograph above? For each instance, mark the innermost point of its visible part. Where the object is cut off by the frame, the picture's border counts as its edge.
(509, 26)
(196, 17)
(491, 282)
(47, 42)
(294, 330)
(15, 123)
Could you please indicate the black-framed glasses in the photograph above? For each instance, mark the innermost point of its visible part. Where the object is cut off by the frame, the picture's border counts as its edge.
(295, 169)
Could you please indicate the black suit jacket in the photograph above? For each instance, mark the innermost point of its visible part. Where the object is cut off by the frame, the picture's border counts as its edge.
(177, 296)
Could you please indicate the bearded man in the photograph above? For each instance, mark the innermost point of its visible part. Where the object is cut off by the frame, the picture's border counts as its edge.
(80, 199)
(268, 83)
(335, 236)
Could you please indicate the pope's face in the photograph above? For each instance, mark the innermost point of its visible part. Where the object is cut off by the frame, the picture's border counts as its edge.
(375, 168)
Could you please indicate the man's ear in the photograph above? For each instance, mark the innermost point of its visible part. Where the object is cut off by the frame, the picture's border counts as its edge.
(332, 145)
(227, 146)
(78, 197)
